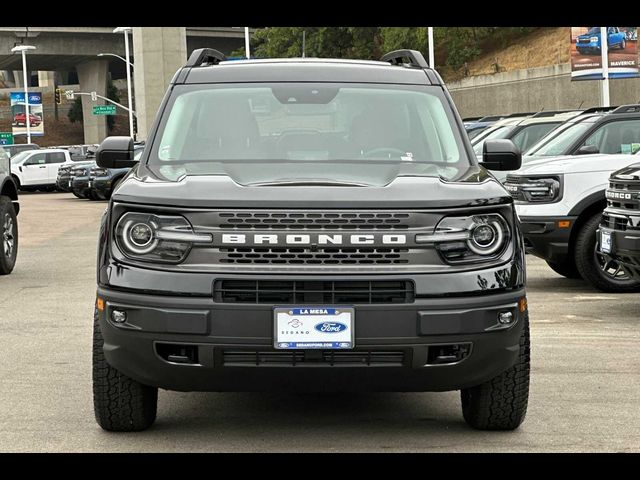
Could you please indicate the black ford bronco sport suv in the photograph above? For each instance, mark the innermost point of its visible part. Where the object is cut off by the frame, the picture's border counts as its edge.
(619, 232)
(9, 208)
(310, 224)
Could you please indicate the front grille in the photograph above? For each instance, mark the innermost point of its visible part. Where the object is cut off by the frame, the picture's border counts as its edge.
(622, 188)
(304, 291)
(614, 222)
(511, 184)
(325, 256)
(331, 358)
(313, 220)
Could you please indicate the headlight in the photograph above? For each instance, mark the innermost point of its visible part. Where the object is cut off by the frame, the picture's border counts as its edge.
(99, 172)
(469, 239)
(593, 39)
(156, 238)
(543, 189)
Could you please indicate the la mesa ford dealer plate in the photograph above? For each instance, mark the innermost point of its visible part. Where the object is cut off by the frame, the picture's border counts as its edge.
(313, 327)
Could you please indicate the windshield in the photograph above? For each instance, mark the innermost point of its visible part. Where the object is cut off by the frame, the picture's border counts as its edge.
(559, 144)
(499, 132)
(593, 31)
(19, 157)
(288, 131)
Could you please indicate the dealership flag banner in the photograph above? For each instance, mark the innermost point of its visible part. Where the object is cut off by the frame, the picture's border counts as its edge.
(586, 56)
(19, 117)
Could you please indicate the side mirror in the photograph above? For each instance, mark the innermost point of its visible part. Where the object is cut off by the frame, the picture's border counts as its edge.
(587, 150)
(501, 154)
(115, 152)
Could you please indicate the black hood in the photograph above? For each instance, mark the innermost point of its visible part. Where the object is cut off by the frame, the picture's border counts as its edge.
(632, 172)
(475, 187)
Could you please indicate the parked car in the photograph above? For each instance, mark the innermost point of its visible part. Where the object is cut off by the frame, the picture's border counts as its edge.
(80, 180)
(238, 258)
(64, 182)
(614, 130)
(619, 233)
(523, 132)
(38, 169)
(103, 181)
(590, 43)
(9, 208)
(560, 203)
(16, 148)
(20, 119)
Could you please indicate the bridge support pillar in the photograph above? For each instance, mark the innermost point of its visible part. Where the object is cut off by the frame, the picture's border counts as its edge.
(158, 53)
(92, 76)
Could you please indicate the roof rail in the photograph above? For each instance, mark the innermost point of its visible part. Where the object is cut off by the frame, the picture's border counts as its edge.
(599, 109)
(633, 108)
(520, 114)
(491, 118)
(551, 113)
(397, 58)
(205, 56)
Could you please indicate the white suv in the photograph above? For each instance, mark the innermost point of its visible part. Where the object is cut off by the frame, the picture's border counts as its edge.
(560, 202)
(38, 168)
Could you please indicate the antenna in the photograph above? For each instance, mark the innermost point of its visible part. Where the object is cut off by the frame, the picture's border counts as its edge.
(582, 103)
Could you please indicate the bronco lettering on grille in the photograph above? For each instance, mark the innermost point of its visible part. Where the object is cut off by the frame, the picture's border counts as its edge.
(311, 239)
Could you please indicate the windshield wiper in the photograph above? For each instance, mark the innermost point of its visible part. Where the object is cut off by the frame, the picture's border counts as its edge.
(310, 181)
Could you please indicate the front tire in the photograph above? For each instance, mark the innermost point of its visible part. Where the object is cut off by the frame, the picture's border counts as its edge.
(501, 403)
(8, 236)
(600, 270)
(120, 403)
(567, 269)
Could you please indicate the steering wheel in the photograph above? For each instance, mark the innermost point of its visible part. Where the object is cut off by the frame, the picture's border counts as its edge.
(380, 150)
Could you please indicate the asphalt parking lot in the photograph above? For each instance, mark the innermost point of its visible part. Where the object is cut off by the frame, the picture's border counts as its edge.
(585, 385)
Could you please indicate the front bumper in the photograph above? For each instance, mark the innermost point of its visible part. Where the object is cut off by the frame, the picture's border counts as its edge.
(234, 342)
(101, 186)
(625, 249)
(80, 186)
(544, 238)
(63, 183)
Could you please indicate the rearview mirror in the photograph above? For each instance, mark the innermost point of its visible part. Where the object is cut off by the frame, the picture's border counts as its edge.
(587, 150)
(115, 152)
(501, 154)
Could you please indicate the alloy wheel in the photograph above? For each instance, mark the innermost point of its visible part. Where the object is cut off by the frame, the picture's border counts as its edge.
(8, 235)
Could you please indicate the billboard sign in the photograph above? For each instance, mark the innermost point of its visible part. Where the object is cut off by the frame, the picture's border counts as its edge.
(19, 117)
(586, 55)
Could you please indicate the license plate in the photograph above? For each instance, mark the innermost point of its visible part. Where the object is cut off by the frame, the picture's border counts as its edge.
(605, 241)
(313, 327)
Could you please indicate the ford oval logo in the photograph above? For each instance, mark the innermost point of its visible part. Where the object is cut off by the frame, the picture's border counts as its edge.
(331, 327)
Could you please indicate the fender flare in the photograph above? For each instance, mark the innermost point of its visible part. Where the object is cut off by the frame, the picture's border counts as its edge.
(587, 202)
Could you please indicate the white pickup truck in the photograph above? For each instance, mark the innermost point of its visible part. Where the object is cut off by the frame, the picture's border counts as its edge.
(38, 169)
(560, 202)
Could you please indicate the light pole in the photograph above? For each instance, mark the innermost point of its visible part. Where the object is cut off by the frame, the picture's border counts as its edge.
(126, 31)
(247, 42)
(23, 50)
(117, 56)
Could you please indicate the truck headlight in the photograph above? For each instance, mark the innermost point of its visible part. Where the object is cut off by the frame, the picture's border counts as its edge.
(470, 238)
(593, 39)
(156, 238)
(99, 172)
(543, 189)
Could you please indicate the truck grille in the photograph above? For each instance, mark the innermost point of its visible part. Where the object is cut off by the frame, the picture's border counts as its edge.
(624, 188)
(614, 222)
(313, 220)
(327, 256)
(248, 358)
(303, 291)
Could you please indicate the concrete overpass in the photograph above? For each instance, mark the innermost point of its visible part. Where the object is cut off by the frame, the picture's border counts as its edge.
(157, 53)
